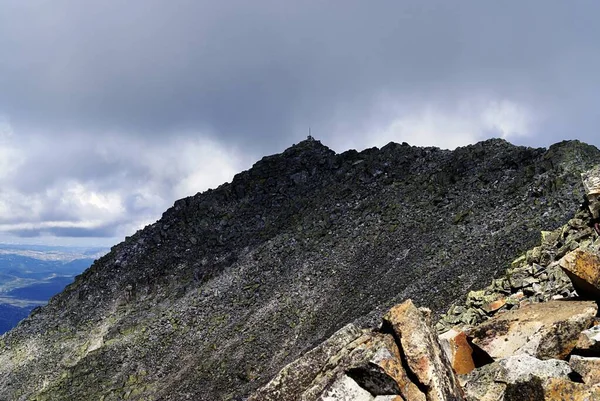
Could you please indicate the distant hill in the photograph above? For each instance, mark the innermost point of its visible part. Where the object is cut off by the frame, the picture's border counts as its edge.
(31, 274)
(230, 285)
(11, 315)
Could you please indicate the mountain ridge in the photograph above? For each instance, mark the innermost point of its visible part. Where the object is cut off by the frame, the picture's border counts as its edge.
(232, 284)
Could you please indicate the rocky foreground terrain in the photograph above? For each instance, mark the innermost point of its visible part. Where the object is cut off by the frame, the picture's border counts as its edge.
(231, 285)
(533, 334)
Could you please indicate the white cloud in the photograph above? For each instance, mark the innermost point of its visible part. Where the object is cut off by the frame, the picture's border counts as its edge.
(127, 182)
(508, 118)
(443, 126)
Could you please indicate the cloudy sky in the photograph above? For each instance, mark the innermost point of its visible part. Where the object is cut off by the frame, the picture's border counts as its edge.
(110, 110)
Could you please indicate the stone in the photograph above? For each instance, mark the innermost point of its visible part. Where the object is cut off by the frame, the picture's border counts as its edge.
(518, 262)
(456, 347)
(517, 277)
(591, 183)
(351, 365)
(294, 378)
(493, 306)
(492, 381)
(383, 373)
(530, 390)
(422, 352)
(346, 389)
(587, 368)
(544, 330)
(583, 268)
(561, 390)
(589, 340)
(524, 367)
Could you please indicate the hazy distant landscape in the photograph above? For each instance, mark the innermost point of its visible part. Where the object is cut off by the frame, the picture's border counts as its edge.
(31, 274)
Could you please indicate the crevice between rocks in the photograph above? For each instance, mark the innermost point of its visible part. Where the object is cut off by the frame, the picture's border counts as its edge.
(374, 380)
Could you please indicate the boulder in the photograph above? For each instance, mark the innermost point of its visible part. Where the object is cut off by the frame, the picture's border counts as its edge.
(458, 351)
(379, 369)
(424, 357)
(544, 330)
(524, 367)
(591, 183)
(352, 365)
(583, 268)
(491, 382)
(296, 377)
(587, 368)
(346, 389)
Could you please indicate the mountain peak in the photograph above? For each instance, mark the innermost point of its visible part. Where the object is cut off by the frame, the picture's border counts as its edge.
(238, 281)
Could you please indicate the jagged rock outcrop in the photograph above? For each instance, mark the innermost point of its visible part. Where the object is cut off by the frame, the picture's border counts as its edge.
(403, 360)
(229, 286)
(535, 276)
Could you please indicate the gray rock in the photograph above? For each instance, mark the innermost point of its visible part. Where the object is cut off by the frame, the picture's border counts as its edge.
(589, 340)
(591, 183)
(524, 367)
(490, 382)
(346, 389)
(588, 368)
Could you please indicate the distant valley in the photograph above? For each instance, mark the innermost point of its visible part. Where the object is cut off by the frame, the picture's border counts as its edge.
(31, 274)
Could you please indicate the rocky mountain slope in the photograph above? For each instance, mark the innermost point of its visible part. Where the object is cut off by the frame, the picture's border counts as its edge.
(230, 285)
(533, 334)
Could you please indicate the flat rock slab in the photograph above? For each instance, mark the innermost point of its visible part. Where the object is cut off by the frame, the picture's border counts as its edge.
(490, 382)
(583, 268)
(547, 330)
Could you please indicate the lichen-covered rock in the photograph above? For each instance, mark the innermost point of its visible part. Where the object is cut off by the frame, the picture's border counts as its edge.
(300, 374)
(544, 330)
(492, 381)
(562, 390)
(346, 389)
(423, 354)
(352, 364)
(591, 183)
(583, 268)
(587, 368)
(533, 277)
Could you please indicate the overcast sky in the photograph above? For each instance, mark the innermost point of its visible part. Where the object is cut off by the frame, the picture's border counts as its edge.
(111, 110)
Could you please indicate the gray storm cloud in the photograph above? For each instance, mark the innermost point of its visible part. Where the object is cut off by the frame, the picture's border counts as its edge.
(100, 99)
